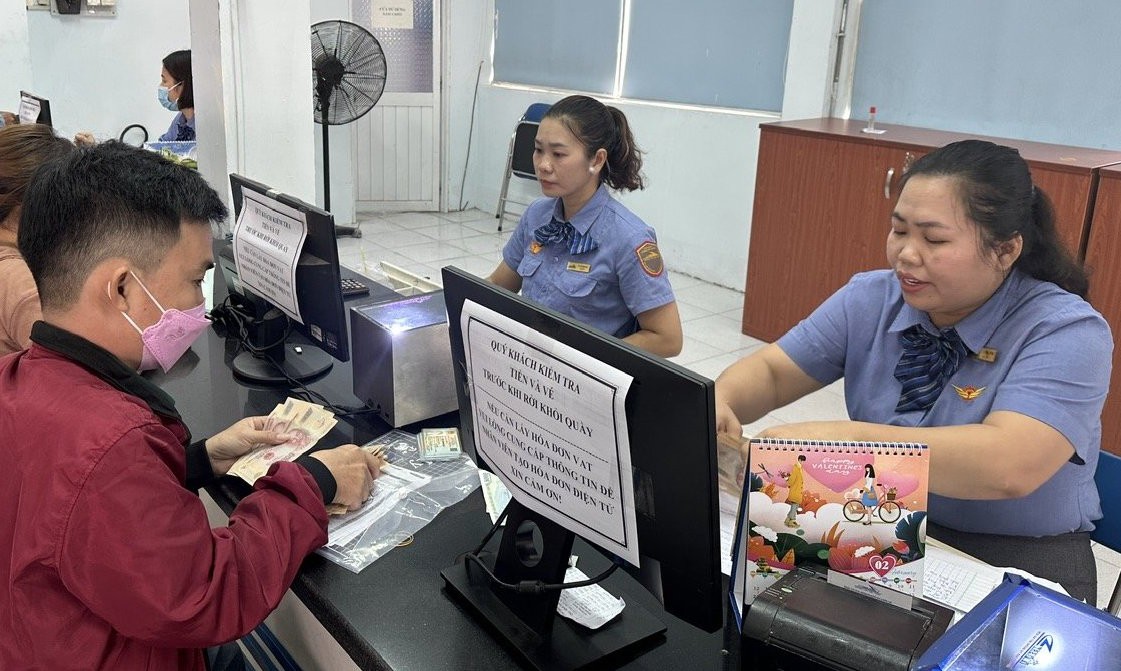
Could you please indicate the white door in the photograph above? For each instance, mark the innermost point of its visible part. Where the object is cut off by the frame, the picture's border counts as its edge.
(397, 153)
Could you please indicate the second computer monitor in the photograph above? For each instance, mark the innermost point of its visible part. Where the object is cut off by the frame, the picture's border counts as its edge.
(317, 289)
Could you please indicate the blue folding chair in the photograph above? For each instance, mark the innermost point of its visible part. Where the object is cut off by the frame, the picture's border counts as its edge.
(1108, 528)
(519, 157)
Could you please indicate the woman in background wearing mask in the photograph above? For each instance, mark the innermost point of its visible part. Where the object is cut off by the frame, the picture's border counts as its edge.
(177, 94)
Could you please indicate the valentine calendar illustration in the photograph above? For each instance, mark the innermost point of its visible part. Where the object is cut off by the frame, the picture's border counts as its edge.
(858, 508)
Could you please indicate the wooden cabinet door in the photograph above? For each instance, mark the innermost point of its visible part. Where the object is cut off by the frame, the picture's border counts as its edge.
(822, 213)
(1102, 253)
(1069, 192)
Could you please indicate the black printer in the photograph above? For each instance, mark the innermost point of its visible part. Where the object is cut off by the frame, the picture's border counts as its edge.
(804, 623)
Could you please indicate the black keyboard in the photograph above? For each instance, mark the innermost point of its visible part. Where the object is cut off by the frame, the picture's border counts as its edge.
(352, 287)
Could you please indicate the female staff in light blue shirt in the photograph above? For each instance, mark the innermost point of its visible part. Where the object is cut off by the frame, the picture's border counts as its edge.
(177, 94)
(979, 343)
(581, 252)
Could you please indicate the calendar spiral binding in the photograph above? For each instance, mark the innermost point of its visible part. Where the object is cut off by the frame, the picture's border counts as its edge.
(879, 448)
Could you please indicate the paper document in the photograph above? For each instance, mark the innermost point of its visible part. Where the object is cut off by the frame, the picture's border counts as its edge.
(268, 239)
(394, 14)
(591, 606)
(961, 582)
(393, 486)
(29, 109)
(551, 422)
(495, 494)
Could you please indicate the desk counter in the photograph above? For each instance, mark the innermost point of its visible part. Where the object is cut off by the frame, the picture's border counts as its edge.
(395, 614)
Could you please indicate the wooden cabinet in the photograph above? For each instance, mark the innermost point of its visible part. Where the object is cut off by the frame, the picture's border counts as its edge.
(1102, 251)
(824, 193)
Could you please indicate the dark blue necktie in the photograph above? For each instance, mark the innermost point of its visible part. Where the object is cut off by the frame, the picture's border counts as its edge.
(566, 234)
(927, 364)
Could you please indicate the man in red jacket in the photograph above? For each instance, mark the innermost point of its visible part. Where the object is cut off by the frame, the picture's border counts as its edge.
(107, 560)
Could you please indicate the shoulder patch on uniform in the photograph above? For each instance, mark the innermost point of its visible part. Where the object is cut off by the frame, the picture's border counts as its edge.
(650, 258)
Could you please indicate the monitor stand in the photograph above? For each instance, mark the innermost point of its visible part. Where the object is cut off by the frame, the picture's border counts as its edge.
(534, 548)
(301, 363)
(266, 329)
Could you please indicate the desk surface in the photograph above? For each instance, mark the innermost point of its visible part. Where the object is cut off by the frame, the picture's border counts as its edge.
(395, 614)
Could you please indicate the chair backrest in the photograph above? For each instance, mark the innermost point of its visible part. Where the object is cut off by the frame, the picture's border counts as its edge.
(536, 112)
(1108, 479)
(521, 158)
(521, 163)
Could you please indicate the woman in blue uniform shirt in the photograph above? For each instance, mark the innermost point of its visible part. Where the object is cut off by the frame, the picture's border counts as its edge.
(176, 93)
(578, 250)
(977, 342)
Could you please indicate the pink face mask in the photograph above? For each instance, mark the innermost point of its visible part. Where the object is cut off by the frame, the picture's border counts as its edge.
(170, 337)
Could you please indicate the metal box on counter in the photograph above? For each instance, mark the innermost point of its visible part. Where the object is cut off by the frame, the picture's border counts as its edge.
(402, 359)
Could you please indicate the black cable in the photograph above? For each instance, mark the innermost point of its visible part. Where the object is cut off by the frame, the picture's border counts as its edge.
(493, 529)
(241, 321)
(528, 586)
(240, 331)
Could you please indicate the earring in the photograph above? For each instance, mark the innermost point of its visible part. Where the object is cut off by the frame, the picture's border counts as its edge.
(591, 168)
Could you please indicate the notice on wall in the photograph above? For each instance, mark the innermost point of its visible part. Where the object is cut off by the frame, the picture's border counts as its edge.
(268, 238)
(551, 423)
(391, 14)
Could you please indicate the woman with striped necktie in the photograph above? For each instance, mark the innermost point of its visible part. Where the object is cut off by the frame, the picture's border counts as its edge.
(978, 342)
(580, 251)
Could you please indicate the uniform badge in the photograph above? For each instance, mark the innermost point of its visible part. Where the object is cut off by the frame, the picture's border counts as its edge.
(987, 354)
(534, 247)
(969, 392)
(579, 267)
(650, 258)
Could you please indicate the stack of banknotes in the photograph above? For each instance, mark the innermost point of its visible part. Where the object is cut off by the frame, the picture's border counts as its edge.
(305, 422)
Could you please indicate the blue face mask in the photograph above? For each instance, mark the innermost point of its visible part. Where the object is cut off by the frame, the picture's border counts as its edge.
(168, 104)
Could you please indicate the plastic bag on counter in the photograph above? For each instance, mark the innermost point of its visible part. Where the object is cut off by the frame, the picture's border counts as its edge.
(407, 496)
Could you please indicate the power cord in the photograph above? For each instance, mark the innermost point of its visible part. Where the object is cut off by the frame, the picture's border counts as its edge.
(236, 323)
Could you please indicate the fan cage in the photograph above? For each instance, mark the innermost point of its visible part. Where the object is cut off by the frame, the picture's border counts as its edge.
(348, 71)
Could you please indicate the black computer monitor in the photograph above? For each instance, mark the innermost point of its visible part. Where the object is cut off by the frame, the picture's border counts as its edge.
(670, 422)
(33, 109)
(268, 355)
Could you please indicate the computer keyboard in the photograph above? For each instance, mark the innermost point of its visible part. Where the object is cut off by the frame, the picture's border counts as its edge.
(352, 287)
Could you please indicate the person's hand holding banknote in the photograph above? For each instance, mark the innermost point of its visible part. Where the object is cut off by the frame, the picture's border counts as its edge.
(225, 447)
(301, 422)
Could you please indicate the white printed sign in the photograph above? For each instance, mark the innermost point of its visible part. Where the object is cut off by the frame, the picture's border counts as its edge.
(550, 421)
(391, 14)
(29, 109)
(268, 238)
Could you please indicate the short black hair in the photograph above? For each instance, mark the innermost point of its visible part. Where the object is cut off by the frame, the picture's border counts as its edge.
(178, 65)
(105, 201)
